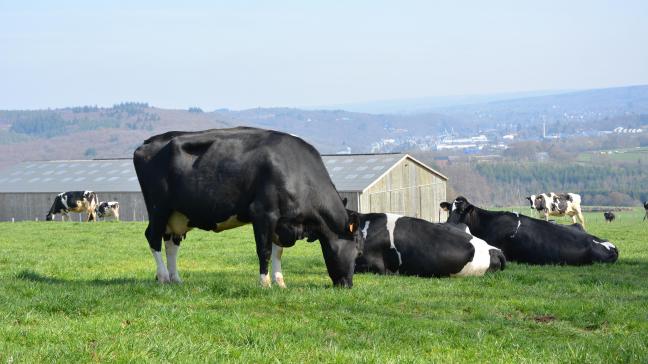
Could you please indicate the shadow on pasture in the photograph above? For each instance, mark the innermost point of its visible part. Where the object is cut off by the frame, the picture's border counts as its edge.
(29, 275)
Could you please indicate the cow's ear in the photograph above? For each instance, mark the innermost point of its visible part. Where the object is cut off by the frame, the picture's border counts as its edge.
(344, 201)
(445, 206)
(354, 222)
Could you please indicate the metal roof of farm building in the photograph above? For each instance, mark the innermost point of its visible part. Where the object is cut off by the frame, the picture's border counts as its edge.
(349, 172)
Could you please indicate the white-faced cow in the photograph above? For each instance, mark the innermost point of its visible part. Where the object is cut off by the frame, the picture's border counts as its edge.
(609, 216)
(107, 209)
(558, 204)
(528, 240)
(223, 178)
(411, 246)
(73, 201)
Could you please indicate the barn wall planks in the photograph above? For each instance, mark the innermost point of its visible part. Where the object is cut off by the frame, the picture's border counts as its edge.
(31, 206)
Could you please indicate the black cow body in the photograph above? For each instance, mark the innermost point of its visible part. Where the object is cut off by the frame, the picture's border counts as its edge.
(223, 178)
(609, 216)
(527, 240)
(411, 246)
(107, 209)
(646, 208)
(73, 201)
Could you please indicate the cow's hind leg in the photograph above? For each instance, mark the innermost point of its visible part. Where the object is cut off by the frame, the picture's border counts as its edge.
(154, 236)
(277, 276)
(171, 248)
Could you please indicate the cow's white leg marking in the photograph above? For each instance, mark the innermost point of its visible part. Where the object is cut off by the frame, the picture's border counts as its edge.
(391, 225)
(480, 261)
(277, 276)
(162, 273)
(171, 251)
(265, 280)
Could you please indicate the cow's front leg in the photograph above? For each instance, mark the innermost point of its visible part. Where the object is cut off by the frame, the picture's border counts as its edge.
(277, 276)
(154, 237)
(171, 248)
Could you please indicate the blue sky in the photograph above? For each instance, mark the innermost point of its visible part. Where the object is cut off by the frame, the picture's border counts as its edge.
(303, 53)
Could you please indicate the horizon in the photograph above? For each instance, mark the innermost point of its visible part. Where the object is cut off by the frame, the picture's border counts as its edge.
(289, 54)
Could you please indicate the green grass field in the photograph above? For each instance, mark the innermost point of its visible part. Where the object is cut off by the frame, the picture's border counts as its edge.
(72, 292)
(617, 155)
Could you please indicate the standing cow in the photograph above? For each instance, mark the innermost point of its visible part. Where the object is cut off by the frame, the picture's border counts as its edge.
(609, 216)
(107, 209)
(73, 201)
(558, 204)
(223, 178)
(528, 240)
(646, 208)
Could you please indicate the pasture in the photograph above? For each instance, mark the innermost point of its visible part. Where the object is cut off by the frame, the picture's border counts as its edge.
(81, 292)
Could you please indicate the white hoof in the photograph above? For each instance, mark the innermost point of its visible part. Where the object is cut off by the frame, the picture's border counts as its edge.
(175, 278)
(163, 278)
(265, 281)
(279, 280)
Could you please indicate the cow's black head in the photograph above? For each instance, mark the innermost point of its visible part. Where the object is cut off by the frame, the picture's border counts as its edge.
(460, 210)
(341, 251)
(531, 199)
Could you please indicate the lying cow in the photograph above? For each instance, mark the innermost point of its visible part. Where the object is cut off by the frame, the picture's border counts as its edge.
(411, 246)
(558, 204)
(73, 201)
(220, 179)
(107, 209)
(527, 240)
(609, 216)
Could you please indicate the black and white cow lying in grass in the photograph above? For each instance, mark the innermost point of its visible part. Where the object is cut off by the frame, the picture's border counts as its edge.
(73, 201)
(411, 246)
(528, 240)
(396, 244)
(107, 209)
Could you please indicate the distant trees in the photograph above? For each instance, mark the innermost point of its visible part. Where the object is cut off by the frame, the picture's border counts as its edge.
(195, 109)
(40, 123)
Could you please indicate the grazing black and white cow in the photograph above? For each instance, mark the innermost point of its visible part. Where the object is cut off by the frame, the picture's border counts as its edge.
(609, 216)
(107, 209)
(646, 208)
(528, 240)
(411, 246)
(558, 204)
(73, 201)
(223, 178)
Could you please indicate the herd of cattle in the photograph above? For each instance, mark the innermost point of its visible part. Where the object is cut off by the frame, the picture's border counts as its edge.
(223, 178)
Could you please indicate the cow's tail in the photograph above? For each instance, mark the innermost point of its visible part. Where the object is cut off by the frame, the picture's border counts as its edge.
(497, 260)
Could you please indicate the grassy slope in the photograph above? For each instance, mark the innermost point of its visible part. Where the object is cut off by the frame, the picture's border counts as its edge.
(85, 292)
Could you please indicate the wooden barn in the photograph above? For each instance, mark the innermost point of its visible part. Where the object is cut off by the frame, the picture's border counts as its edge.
(395, 183)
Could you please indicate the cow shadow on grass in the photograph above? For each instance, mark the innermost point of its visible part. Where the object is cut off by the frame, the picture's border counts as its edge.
(29, 275)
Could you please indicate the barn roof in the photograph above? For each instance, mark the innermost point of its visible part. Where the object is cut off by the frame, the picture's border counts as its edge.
(357, 172)
(109, 175)
(349, 172)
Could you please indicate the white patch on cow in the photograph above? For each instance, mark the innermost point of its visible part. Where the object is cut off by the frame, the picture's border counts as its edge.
(63, 197)
(365, 229)
(265, 280)
(162, 273)
(480, 261)
(171, 251)
(468, 230)
(231, 223)
(391, 225)
(277, 276)
(454, 206)
(606, 244)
